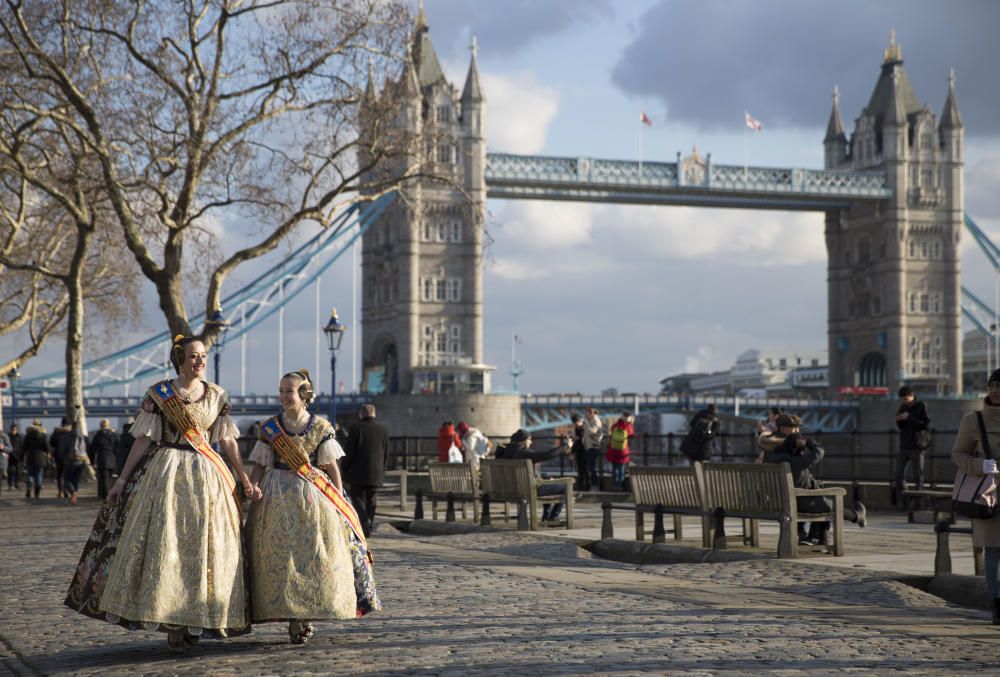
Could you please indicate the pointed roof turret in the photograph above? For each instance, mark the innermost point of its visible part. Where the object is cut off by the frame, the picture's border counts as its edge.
(370, 94)
(472, 91)
(893, 87)
(834, 128)
(424, 57)
(950, 118)
(411, 83)
(894, 111)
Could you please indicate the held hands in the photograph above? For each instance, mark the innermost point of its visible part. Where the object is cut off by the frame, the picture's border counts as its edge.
(989, 466)
(115, 492)
(252, 491)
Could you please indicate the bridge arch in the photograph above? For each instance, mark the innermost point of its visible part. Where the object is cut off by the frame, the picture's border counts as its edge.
(871, 371)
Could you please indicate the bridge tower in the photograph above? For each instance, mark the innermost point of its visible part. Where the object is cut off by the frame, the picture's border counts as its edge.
(422, 261)
(893, 271)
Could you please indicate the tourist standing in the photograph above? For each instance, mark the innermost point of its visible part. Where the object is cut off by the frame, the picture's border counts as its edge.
(76, 458)
(618, 453)
(594, 432)
(308, 554)
(969, 455)
(914, 438)
(475, 445)
(579, 453)
(61, 442)
(447, 440)
(166, 551)
(363, 467)
(125, 442)
(103, 450)
(699, 443)
(37, 456)
(6, 456)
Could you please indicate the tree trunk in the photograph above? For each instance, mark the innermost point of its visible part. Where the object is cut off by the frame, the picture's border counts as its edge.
(74, 324)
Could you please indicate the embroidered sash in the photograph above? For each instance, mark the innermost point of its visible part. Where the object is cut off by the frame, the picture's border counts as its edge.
(173, 408)
(291, 454)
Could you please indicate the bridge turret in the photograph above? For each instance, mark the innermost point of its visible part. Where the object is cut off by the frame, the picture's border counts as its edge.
(473, 131)
(835, 142)
(951, 128)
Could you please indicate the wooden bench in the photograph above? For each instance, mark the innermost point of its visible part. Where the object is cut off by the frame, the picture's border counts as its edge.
(677, 489)
(765, 491)
(456, 479)
(940, 503)
(510, 481)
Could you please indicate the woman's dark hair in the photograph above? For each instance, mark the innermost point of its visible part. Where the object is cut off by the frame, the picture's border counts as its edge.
(306, 387)
(177, 350)
(776, 411)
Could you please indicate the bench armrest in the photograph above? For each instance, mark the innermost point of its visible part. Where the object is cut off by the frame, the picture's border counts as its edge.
(829, 491)
(568, 481)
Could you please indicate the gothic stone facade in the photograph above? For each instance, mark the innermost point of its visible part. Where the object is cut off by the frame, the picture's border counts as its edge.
(893, 271)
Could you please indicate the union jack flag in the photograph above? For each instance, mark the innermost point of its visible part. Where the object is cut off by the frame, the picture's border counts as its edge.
(644, 119)
(753, 123)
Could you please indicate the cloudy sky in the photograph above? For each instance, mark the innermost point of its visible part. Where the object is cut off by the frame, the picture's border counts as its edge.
(622, 296)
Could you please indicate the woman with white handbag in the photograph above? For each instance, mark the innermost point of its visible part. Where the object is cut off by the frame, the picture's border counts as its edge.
(976, 483)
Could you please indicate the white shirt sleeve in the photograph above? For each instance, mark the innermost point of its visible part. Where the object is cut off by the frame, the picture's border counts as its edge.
(329, 452)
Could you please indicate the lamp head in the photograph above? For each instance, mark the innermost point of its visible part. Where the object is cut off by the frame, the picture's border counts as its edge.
(334, 331)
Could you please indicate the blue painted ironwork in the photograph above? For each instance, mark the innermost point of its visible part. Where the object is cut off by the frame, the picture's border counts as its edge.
(545, 412)
(246, 308)
(689, 181)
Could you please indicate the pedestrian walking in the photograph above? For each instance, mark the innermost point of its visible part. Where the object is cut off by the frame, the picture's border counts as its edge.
(37, 457)
(363, 468)
(103, 449)
(6, 455)
(914, 438)
(61, 442)
(308, 555)
(969, 453)
(166, 551)
(15, 464)
(125, 442)
(617, 453)
(594, 434)
(76, 459)
(579, 452)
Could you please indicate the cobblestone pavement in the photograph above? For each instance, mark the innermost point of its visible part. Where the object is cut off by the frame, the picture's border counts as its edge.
(508, 603)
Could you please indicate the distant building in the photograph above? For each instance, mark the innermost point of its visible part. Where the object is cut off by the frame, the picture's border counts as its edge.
(756, 369)
(680, 383)
(977, 360)
(717, 383)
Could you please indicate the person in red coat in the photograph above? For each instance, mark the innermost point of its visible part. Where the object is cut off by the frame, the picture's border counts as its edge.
(617, 452)
(446, 438)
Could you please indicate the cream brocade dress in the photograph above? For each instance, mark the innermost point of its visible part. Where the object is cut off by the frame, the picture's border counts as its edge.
(300, 549)
(179, 561)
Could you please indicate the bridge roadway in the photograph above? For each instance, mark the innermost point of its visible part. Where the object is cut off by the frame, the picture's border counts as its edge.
(538, 412)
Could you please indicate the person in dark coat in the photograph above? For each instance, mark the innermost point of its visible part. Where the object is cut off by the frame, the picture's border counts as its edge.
(16, 461)
(801, 453)
(580, 453)
(125, 442)
(61, 442)
(363, 466)
(914, 438)
(36, 453)
(520, 447)
(103, 451)
(699, 443)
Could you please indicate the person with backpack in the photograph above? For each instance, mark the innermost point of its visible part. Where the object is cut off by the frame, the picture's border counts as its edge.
(699, 443)
(617, 452)
(594, 433)
(914, 439)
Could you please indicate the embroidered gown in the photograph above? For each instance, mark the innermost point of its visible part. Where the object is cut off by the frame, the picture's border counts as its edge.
(305, 560)
(168, 554)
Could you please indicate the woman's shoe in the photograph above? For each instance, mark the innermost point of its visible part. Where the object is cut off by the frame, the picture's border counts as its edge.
(190, 639)
(175, 640)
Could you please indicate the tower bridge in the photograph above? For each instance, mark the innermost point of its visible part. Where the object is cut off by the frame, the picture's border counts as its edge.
(891, 193)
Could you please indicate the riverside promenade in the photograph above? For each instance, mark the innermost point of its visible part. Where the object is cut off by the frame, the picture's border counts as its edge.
(511, 603)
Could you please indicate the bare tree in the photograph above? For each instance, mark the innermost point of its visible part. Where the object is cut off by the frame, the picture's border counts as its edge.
(239, 112)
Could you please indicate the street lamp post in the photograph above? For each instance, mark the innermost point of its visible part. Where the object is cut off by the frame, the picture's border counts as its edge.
(219, 320)
(334, 331)
(14, 376)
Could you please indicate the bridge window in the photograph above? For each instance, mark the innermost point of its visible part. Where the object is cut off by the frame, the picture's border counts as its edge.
(924, 250)
(442, 232)
(937, 341)
(442, 290)
(913, 303)
(454, 289)
(444, 113)
(935, 303)
(936, 249)
(444, 153)
(913, 249)
(427, 289)
(456, 231)
(924, 303)
(442, 342)
(427, 233)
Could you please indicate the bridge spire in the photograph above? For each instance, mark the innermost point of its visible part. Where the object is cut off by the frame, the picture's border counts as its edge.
(472, 92)
(835, 128)
(950, 118)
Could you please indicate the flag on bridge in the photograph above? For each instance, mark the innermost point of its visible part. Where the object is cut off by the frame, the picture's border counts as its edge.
(752, 122)
(644, 119)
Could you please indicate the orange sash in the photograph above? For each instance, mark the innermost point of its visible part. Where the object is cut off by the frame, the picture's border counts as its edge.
(173, 408)
(292, 455)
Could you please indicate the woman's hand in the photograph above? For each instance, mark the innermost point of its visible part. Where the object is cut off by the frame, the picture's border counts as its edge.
(116, 490)
(253, 491)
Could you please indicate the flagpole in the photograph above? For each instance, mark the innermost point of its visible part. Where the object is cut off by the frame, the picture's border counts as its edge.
(641, 123)
(746, 148)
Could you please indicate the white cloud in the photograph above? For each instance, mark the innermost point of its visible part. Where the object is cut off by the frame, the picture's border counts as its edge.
(519, 111)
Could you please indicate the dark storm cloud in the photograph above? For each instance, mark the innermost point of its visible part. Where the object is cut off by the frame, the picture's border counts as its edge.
(708, 60)
(506, 26)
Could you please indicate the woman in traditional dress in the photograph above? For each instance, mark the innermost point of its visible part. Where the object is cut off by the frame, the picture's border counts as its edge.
(309, 559)
(166, 552)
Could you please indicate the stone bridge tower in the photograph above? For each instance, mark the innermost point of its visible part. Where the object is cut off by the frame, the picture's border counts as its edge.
(422, 260)
(893, 272)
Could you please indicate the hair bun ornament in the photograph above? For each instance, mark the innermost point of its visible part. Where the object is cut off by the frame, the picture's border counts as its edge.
(178, 338)
(305, 372)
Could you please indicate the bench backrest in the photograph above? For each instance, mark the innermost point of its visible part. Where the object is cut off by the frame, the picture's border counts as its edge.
(456, 478)
(505, 479)
(673, 487)
(763, 489)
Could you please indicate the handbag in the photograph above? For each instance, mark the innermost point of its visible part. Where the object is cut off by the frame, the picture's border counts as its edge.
(455, 454)
(976, 497)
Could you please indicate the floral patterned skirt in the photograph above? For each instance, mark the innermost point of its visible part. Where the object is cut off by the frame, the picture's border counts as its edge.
(306, 563)
(144, 564)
